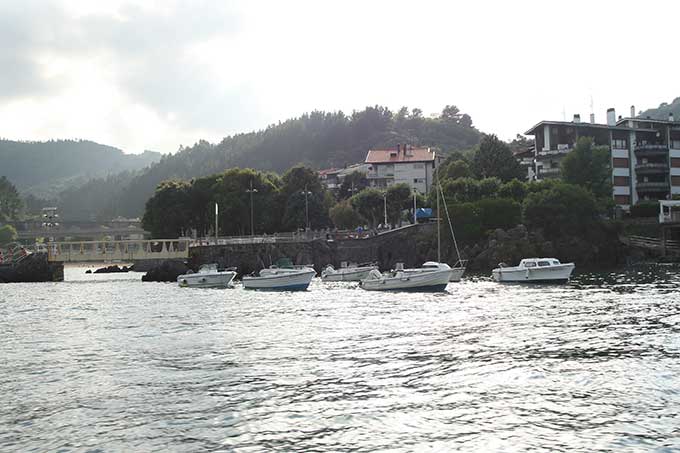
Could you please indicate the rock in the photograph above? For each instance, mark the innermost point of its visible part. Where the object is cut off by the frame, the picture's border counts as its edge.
(111, 270)
(89, 271)
(168, 271)
(500, 235)
(518, 233)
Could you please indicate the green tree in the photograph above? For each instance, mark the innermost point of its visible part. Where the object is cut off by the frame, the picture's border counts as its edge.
(10, 201)
(515, 190)
(494, 158)
(344, 216)
(295, 182)
(353, 183)
(399, 198)
(588, 166)
(455, 169)
(560, 209)
(369, 204)
(8, 234)
(167, 213)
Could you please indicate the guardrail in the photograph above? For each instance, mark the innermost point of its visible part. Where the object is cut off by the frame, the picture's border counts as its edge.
(650, 243)
(131, 250)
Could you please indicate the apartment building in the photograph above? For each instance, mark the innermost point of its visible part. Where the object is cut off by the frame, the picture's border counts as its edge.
(412, 166)
(645, 153)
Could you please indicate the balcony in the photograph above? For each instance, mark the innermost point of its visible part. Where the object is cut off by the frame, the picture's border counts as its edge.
(549, 172)
(651, 168)
(652, 186)
(554, 152)
(651, 149)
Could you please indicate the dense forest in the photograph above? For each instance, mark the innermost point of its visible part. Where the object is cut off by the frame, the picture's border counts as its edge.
(43, 169)
(662, 111)
(317, 139)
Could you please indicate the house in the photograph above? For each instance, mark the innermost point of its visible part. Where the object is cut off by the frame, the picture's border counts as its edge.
(403, 164)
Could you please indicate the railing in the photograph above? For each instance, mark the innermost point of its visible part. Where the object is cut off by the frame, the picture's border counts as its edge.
(116, 250)
(549, 171)
(651, 167)
(650, 243)
(673, 217)
(13, 253)
(651, 147)
(554, 152)
(652, 185)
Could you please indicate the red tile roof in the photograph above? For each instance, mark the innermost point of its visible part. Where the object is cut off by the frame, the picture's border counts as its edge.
(380, 156)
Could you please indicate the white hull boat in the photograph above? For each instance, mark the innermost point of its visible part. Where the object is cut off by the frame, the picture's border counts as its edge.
(429, 266)
(535, 270)
(400, 280)
(208, 276)
(346, 273)
(278, 279)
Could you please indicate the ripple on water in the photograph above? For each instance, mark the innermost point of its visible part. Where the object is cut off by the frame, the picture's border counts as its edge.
(107, 363)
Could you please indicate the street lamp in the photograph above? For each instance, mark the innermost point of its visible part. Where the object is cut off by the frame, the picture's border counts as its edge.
(385, 207)
(415, 220)
(251, 191)
(307, 193)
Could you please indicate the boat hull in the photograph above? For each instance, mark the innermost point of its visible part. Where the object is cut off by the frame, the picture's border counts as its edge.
(551, 274)
(434, 281)
(347, 276)
(456, 274)
(285, 281)
(198, 280)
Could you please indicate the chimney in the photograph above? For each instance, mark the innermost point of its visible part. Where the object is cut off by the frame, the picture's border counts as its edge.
(592, 118)
(611, 117)
(632, 111)
(577, 118)
(670, 117)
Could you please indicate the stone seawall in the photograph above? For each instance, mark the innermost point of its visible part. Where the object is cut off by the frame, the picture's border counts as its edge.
(33, 268)
(410, 245)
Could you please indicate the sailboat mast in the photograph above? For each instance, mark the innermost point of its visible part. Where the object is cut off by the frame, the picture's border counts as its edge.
(439, 236)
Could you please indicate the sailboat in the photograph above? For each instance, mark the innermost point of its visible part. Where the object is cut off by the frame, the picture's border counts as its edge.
(431, 276)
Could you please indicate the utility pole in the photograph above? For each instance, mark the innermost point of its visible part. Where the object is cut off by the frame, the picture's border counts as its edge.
(217, 214)
(415, 220)
(385, 207)
(251, 191)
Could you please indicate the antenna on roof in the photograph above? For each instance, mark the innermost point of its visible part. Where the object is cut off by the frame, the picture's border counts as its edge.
(592, 111)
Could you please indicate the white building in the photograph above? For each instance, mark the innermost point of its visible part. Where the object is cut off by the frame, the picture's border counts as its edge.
(412, 166)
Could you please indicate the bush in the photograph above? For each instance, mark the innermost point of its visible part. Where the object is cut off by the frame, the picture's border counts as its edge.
(7, 234)
(645, 209)
(472, 221)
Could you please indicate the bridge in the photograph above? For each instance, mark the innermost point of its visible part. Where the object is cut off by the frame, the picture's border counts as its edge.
(122, 251)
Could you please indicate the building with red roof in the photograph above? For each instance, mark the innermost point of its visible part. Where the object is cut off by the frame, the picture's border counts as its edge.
(403, 164)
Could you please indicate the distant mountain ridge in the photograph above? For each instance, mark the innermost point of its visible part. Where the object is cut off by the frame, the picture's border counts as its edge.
(661, 112)
(43, 169)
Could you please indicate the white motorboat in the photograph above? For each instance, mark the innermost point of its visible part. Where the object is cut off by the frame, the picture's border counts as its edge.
(208, 276)
(351, 272)
(457, 271)
(401, 280)
(535, 270)
(283, 276)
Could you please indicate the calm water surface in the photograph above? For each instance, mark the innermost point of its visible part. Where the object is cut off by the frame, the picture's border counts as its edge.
(108, 363)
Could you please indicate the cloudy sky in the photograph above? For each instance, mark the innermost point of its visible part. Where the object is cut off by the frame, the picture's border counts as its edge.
(157, 74)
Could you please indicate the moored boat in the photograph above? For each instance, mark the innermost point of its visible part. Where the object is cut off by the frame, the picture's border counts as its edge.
(535, 270)
(351, 272)
(208, 276)
(414, 280)
(283, 276)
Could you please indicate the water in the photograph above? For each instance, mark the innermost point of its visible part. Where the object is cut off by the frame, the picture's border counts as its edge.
(108, 363)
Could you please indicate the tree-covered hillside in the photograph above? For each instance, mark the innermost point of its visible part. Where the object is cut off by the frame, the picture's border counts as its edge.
(318, 139)
(46, 168)
(662, 111)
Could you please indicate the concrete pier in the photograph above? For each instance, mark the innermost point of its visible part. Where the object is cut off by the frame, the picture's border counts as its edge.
(32, 268)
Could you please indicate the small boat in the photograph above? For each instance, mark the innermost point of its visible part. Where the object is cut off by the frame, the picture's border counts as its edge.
(534, 270)
(283, 276)
(457, 271)
(409, 280)
(351, 272)
(208, 276)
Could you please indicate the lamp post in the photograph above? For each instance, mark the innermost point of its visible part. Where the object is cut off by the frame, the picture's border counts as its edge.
(385, 207)
(217, 215)
(251, 191)
(307, 193)
(415, 220)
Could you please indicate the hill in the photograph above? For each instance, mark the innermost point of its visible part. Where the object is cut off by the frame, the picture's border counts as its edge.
(662, 111)
(45, 168)
(318, 139)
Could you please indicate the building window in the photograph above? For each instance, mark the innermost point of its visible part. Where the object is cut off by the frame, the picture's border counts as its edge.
(675, 162)
(621, 162)
(619, 143)
(675, 144)
(418, 180)
(622, 199)
(675, 180)
(621, 180)
(418, 166)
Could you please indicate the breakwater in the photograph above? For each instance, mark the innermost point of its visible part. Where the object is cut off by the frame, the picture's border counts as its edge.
(32, 268)
(410, 245)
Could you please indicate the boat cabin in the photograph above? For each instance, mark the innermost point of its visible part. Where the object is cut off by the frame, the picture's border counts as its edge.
(539, 262)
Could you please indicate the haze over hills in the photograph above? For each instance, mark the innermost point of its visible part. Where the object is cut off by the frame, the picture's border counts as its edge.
(43, 169)
(661, 112)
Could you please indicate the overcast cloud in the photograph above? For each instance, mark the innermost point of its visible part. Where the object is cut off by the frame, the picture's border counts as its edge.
(154, 75)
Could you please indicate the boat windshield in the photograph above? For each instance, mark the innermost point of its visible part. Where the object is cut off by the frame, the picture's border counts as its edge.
(530, 264)
(556, 262)
(544, 263)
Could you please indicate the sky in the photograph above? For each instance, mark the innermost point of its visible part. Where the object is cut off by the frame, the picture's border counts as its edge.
(155, 75)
